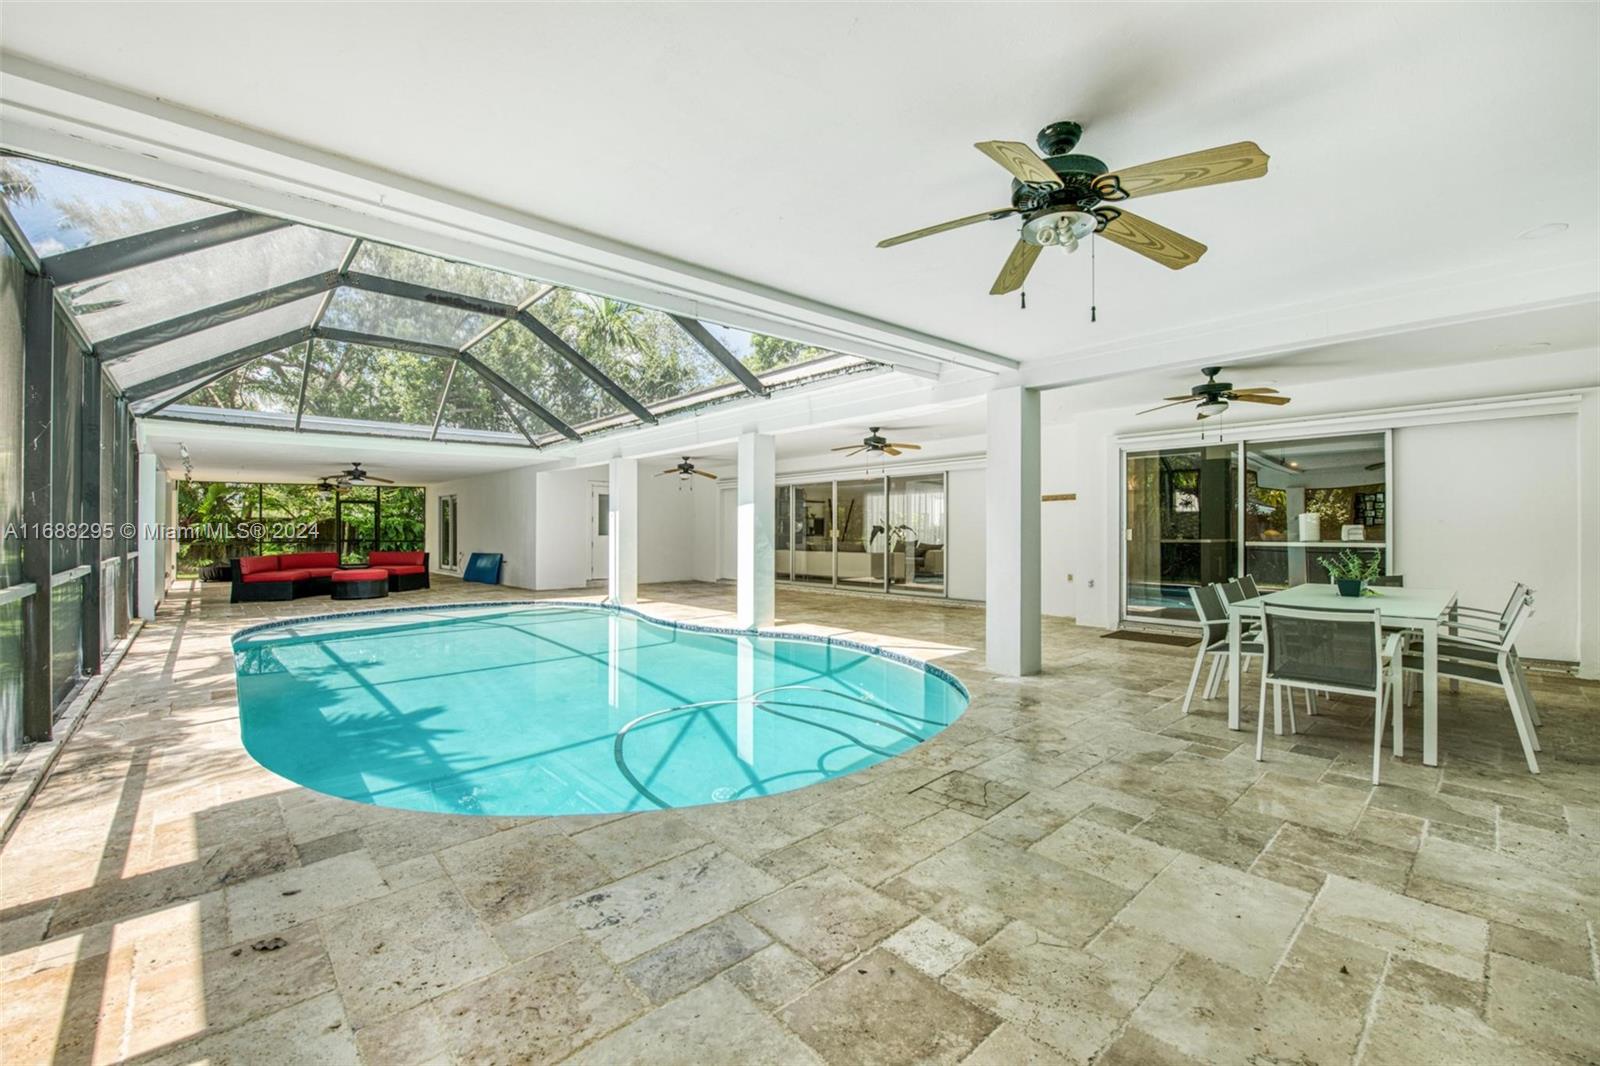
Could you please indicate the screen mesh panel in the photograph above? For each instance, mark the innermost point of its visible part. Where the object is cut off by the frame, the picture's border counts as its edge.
(1323, 650)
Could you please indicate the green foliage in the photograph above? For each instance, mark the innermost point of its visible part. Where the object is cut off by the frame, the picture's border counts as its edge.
(1354, 566)
(770, 353)
(216, 505)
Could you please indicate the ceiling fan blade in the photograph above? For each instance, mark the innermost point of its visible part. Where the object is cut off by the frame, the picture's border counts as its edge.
(1164, 406)
(379, 480)
(1023, 162)
(900, 444)
(702, 473)
(1172, 250)
(846, 448)
(664, 473)
(857, 451)
(1015, 272)
(929, 231)
(1253, 392)
(1276, 401)
(1231, 162)
(1191, 396)
(890, 449)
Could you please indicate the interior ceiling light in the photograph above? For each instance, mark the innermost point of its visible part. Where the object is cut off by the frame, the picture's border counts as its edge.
(1211, 407)
(1549, 229)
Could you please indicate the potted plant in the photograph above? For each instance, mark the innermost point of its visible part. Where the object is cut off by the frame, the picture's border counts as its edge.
(1351, 571)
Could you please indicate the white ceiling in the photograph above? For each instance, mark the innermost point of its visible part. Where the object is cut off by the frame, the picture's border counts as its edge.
(1409, 142)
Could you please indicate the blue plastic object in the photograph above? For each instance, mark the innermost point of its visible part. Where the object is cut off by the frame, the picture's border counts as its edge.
(484, 567)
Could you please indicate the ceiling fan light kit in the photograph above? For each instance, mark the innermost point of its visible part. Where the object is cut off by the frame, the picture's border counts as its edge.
(685, 471)
(877, 444)
(1212, 397)
(1061, 196)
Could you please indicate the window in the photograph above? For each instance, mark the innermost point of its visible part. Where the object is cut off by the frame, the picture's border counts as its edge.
(1303, 500)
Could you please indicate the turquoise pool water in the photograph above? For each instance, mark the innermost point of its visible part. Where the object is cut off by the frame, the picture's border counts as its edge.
(557, 708)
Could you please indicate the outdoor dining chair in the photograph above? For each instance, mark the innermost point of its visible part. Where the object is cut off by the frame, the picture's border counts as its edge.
(1208, 607)
(1490, 660)
(1334, 651)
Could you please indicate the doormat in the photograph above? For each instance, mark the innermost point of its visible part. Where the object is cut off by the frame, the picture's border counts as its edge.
(1176, 640)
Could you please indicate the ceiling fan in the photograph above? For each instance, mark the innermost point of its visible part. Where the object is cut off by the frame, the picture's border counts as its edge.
(684, 469)
(1212, 397)
(876, 442)
(353, 476)
(1061, 199)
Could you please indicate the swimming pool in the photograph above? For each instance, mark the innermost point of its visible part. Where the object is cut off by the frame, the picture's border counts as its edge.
(562, 708)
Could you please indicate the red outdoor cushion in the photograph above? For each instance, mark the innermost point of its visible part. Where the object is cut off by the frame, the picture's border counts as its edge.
(406, 569)
(255, 564)
(277, 575)
(369, 574)
(389, 559)
(320, 571)
(310, 561)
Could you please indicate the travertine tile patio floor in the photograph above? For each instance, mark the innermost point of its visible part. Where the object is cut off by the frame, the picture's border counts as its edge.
(1073, 872)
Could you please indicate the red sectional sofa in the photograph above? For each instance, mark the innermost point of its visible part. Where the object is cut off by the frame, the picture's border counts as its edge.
(288, 577)
(407, 570)
(283, 577)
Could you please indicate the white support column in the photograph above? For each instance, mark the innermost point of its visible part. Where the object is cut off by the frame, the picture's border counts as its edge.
(622, 564)
(152, 552)
(757, 473)
(1012, 542)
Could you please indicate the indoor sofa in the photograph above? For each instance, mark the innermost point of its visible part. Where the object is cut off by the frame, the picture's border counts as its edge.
(282, 577)
(407, 570)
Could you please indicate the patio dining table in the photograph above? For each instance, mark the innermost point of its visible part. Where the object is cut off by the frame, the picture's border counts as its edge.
(1399, 608)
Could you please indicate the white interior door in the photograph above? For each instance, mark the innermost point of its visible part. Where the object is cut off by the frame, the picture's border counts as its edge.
(599, 531)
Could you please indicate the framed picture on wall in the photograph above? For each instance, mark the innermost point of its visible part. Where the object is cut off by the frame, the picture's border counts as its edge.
(1369, 510)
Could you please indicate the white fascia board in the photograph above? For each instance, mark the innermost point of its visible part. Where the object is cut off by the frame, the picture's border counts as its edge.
(1473, 296)
(1531, 405)
(56, 114)
(853, 400)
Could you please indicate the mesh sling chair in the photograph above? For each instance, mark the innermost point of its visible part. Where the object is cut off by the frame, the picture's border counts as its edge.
(1214, 641)
(1336, 651)
(1482, 624)
(1251, 590)
(1491, 660)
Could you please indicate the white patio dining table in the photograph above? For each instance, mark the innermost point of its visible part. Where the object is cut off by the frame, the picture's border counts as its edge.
(1423, 610)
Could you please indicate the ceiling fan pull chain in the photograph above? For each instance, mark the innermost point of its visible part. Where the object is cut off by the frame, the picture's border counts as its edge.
(1024, 301)
(1091, 279)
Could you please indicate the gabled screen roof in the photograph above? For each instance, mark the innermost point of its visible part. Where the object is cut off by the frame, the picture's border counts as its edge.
(199, 311)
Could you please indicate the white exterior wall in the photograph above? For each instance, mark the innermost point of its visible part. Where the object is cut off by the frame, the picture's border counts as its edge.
(1479, 506)
(495, 513)
(540, 522)
(1522, 495)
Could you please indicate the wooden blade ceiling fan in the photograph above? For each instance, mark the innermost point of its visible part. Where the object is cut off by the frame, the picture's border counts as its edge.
(1212, 396)
(877, 443)
(685, 469)
(1062, 199)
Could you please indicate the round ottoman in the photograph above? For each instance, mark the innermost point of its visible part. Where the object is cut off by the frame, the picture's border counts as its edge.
(368, 584)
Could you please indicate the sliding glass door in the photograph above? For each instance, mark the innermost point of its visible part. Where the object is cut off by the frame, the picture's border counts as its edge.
(813, 533)
(1303, 499)
(1179, 528)
(863, 540)
(1310, 499)
(917, 533)
(882, 534)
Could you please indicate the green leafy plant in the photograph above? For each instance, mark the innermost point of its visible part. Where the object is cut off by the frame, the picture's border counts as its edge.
(1353, 566)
